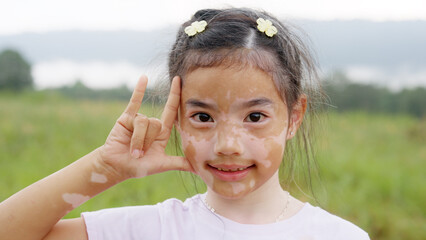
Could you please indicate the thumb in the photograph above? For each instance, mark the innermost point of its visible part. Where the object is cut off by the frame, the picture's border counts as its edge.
(180, 163)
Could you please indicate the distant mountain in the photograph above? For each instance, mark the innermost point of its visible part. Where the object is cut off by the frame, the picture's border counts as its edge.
(136, 47)
(337, 43)
(381, 44)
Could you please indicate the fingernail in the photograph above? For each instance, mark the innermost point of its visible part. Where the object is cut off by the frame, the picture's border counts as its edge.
(141, 154)
(136, 153)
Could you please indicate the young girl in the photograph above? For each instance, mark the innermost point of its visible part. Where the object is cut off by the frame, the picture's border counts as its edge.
(241, 84)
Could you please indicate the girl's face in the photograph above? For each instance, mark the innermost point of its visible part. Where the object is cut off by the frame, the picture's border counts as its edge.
(233, 126)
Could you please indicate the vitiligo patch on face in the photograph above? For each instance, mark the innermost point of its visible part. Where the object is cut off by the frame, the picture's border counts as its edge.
(98, 178)
(75, 199)
(203, 146)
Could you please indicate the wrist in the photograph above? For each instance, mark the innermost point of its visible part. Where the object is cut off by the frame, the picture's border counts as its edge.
(104, 172)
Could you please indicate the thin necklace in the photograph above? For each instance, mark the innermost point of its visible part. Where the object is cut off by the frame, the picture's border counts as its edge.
(279, 218)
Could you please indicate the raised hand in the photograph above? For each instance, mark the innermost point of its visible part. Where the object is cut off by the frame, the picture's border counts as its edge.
(136, 144)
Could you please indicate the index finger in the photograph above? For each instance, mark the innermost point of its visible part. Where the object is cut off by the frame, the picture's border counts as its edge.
(137, 96)
(170, 110)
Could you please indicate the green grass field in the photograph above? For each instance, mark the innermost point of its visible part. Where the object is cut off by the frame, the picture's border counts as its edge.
(372, 166)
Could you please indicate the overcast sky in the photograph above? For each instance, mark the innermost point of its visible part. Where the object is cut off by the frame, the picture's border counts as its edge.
(18, 16)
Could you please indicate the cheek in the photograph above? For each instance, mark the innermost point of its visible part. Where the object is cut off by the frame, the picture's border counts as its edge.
(275, 147)
(268, 152)
(196, 150)
(275, 154)
(256, 149)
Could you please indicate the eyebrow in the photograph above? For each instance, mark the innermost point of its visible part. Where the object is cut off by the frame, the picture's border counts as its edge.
(251, 103)
(257, 102)
(197, 103)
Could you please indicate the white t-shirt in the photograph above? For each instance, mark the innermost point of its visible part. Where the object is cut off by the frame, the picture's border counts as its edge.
(191, 219)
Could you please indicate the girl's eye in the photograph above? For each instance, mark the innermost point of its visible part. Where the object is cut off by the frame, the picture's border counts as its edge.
(202, 117)
(255, 117)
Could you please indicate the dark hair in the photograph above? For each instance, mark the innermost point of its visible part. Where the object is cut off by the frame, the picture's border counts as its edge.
(231, 38)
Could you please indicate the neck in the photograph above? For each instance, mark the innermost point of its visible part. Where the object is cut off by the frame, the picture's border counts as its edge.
(261, 206)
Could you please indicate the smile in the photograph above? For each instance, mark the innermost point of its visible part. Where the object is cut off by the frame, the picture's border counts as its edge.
(229, 168)
(230, 172)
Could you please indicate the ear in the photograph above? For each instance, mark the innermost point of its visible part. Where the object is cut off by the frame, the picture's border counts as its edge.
(296, 116)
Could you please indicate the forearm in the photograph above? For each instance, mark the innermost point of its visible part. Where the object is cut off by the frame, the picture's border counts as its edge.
(32, 212)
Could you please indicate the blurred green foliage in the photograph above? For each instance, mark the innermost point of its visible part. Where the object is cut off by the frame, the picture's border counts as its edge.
(80, 91)
(15, 71)
(371, 165)
(347, 95)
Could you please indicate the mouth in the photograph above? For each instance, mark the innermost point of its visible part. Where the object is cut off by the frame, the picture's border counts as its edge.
(230, 172)
(230, 168)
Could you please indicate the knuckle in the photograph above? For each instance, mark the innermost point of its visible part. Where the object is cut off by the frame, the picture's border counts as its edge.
(134, 100)
(139, 90)
(141, 120)
(172, 108)
(155, 123)
(125, 117)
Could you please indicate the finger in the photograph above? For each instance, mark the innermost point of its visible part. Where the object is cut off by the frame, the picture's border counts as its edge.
(152, 132)
(141, 124)
(135, 102)
(170, 110)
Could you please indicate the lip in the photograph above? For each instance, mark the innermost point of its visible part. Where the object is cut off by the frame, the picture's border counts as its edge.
(231, 175)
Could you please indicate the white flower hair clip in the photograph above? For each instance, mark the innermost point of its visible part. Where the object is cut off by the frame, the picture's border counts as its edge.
(266, 27)
(195, 27)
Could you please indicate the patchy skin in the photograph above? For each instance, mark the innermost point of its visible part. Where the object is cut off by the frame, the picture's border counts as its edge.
(188, 142)
(141, 171)
(75, 199)
(252, 182)
(230, 138)
(203, 145)
(228, 95)
(238, 187)
(98, 178)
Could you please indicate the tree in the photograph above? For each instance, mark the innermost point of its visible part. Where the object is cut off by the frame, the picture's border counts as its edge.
(15, 71)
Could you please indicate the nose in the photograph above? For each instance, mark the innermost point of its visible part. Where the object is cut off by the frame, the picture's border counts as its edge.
(228, 143)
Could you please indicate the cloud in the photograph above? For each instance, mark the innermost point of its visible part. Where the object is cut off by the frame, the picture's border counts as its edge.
(403, 76)
(95, 74)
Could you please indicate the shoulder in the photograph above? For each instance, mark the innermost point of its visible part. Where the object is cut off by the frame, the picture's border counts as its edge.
(169, 205)
(326, 224)
(123, 222)
(130, 212)
(150, 221)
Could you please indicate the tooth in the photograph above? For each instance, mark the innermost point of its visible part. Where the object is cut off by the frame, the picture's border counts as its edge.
(234, 170)
(240, 169)
(226, 170)
(220, 169)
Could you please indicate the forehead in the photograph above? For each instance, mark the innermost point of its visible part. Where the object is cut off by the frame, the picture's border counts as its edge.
(229, 83)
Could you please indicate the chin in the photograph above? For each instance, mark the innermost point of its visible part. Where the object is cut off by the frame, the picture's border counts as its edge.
(231, 190)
